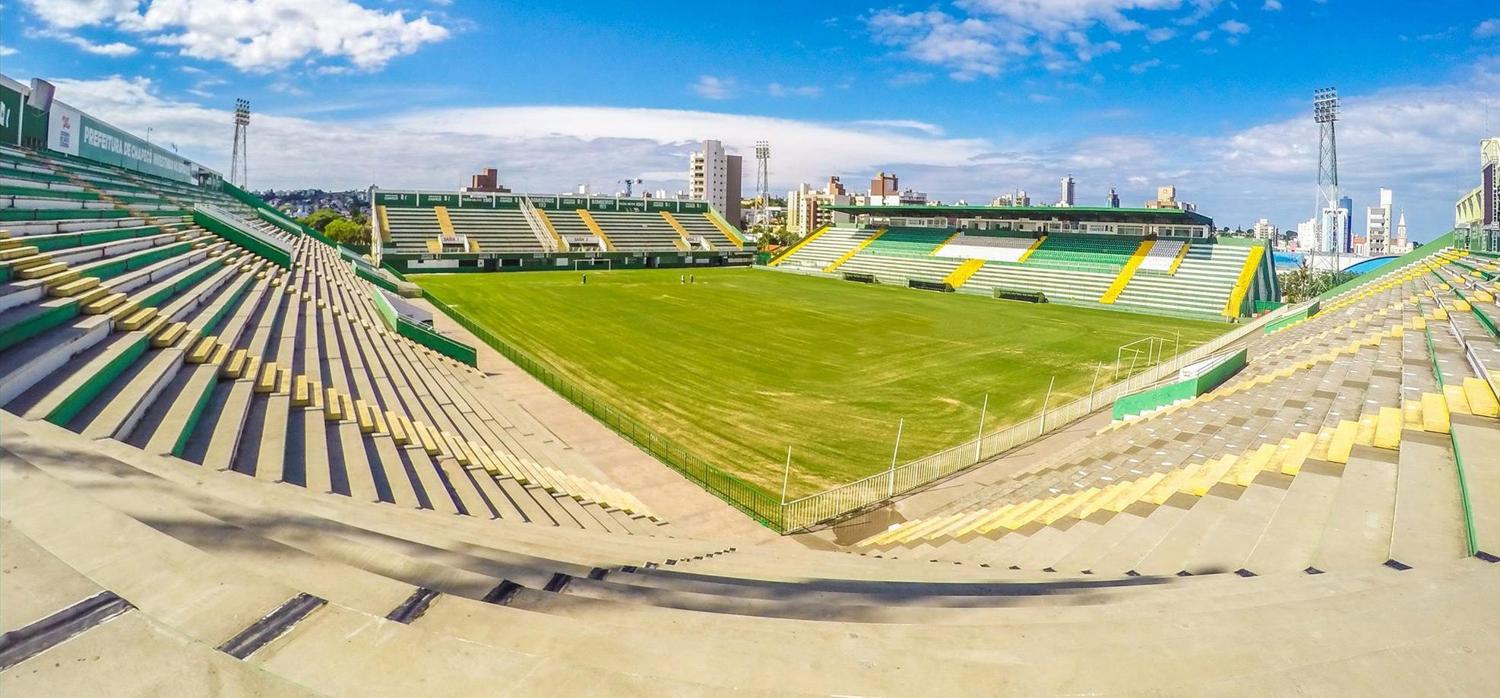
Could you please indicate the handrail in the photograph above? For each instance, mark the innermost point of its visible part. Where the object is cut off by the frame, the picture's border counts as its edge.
(1471, 535)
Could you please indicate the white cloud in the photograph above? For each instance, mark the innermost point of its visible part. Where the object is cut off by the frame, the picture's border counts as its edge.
(7, 51)
(988, 37)
(1271, 6)
(114, 49)
(710, 87)
(1143, 66)
(252, 35)
(1202, 35)
(1233, 26)
(1487, 29)
(968, 48)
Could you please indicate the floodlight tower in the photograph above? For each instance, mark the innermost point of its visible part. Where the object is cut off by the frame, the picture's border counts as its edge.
(1326, 115)
(239, 168)
(762, 180)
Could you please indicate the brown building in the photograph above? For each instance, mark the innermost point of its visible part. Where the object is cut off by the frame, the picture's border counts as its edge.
(487, 182)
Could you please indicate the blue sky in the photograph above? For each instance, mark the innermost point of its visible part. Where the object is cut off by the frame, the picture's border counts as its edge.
(963, 99)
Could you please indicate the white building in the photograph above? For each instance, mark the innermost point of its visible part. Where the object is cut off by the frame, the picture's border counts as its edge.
(1019, 198)
(1265, 230)
(1378, 225)
(716, 178)
(1307, 234)
(807, 208)
(1400, 244)
(1066, 195)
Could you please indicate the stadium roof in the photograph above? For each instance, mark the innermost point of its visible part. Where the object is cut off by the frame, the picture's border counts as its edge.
(1162, 216)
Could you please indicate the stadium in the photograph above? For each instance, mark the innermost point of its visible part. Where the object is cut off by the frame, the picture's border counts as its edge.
(540, 444)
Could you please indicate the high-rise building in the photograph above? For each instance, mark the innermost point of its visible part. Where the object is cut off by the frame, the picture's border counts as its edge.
(1378, 225)
(1346, 235)
(1065, 196)
(1265, 230)
(1114, 198)
(715, 177)
(807, 208)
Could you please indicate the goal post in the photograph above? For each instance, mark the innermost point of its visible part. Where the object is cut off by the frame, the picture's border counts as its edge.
(578, 264)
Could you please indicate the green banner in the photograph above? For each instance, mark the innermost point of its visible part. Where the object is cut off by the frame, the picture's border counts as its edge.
(10, 116)
(75, 133)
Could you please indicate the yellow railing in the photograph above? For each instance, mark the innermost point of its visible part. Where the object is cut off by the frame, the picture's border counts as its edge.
(445, 223)
(682, 233)
(1237, 298)
(961, 274)
(1181, 254)
(593, 225)
(1127, 272)
(789, 252)
(1027, 254)
(853, 251)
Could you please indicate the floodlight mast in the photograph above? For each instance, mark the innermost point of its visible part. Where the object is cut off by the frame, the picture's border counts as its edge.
(239, 168)
(1325, 217)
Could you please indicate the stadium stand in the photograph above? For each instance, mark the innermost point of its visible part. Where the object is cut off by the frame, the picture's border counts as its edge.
(1339, 448)
(222, 471)
(174, 340)
(501, 230)
(463, 231)
(638, 231)
(703, 226)
(1175, 277)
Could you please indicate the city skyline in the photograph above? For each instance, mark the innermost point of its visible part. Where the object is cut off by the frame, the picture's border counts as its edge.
(965, 101)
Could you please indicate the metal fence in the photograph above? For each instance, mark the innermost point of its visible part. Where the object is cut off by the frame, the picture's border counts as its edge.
(740, 494)
(866, 492)
(874, 489)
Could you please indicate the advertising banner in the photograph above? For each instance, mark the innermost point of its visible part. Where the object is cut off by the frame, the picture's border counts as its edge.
(75, 133)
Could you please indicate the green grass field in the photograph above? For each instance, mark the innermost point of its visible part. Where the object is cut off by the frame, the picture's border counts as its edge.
(745, 362)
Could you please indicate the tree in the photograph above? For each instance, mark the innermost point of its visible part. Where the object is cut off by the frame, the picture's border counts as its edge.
(318, 220)
(348, 232)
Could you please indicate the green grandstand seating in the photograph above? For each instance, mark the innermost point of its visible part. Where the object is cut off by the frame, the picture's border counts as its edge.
(911, 242)
(1096, 254)
(1066, 267)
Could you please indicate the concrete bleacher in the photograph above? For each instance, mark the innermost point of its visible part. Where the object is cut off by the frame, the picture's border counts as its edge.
(1336, 449)
(638, 231)
(495, 230)
(702, 225)
(219, 475)
(570, 225)
(413, 229)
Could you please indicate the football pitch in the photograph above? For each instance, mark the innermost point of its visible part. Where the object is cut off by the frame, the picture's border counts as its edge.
(744, 363)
